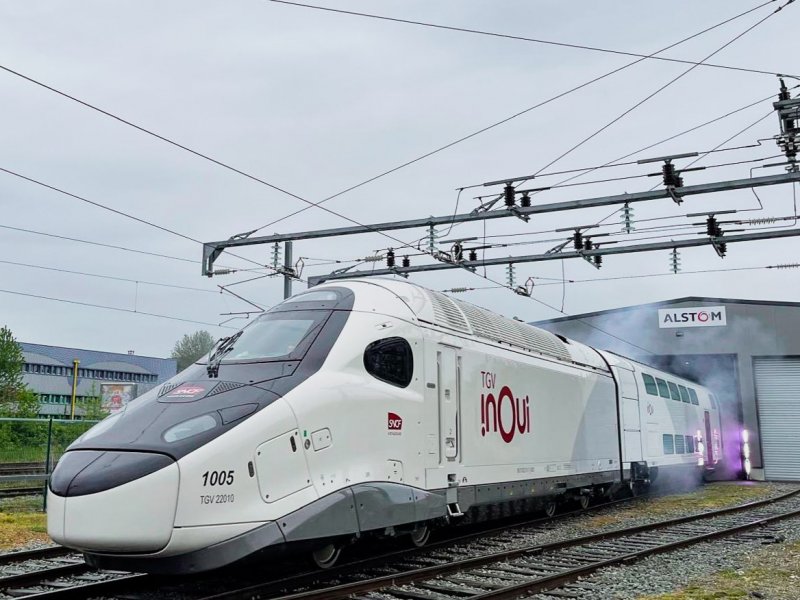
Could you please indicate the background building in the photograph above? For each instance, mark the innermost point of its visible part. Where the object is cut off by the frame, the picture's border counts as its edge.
(49, 373)
(747, 351)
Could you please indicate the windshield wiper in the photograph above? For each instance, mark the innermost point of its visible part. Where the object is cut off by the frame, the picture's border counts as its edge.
(224, 346)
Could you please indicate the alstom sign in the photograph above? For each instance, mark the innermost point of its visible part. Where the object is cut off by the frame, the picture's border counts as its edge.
(701, 316)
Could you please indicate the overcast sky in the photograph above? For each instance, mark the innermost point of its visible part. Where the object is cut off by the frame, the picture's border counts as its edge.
(315, 102)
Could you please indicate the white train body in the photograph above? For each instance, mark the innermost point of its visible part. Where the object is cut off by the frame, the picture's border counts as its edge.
(390, 406)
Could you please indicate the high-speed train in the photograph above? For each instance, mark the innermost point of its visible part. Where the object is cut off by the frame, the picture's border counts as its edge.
(368, 407)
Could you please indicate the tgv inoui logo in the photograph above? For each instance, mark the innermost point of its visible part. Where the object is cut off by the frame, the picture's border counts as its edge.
(503, 413)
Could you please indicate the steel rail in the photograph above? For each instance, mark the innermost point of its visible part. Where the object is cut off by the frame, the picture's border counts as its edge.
(20, 491)
(426, 573)
(34, 577)
(39, 553)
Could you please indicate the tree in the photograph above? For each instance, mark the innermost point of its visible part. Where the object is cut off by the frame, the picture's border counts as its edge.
(16, 400)
(192, 347)
(12, 362)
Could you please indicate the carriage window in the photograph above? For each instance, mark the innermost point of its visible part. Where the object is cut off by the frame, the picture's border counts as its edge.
(669, 444)
(390, 360)
(663, 388)
(689, 444)
(684, 394)
(713, 399)
(679, 445)
(693, 396)
(650, 384)
(673, 391)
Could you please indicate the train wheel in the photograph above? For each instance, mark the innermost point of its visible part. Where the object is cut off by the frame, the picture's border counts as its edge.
(550, 508)
(583, 501)
(326, 556)
(420, 535)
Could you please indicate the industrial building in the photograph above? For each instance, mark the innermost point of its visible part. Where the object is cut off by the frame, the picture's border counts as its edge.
(748, 351)
(116, 378)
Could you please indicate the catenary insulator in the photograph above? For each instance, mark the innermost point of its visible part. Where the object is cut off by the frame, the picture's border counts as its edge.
(406, 261)
(525, 201)
(712, 227)
(671, 177)
(458, 252)
(473, 255)
(577, 239)
(390, 258)
(509, 194)
(598, 260)
(587, 244)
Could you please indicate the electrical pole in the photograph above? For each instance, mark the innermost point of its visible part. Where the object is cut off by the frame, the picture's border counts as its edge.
(288, 270)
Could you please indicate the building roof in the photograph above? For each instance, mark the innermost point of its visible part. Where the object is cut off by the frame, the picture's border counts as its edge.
(163, 367)
(663, 303)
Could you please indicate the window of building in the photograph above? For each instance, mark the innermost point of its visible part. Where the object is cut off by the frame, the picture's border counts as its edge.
(650, 384)
(689, 444)
(669, 444)
(693, 397)
(684, 394)
(390, 360)
(680, 448)
(663, 388)
(673, 392)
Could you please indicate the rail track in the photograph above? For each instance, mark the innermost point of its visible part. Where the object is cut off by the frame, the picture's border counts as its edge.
(13, 492)
(452, 568)
(37, 580)
(22, 468)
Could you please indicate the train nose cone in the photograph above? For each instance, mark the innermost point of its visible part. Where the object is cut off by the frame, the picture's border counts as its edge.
(113, 501)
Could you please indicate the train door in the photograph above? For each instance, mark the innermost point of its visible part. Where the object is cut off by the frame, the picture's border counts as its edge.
(448, 369)
(709, 440)
(631, 415)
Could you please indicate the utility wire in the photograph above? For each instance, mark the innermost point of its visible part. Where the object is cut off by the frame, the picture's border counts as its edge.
(519, 37)
(663, 87)
(100, 276)
(365, 182)
(509, 118)
(129, 216)
(100, 244)
(116, 308)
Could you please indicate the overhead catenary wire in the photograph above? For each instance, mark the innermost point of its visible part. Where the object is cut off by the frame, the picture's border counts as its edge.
(661, 88)
(365, 182)
(114, 308)
(100, 244)
(520, 38)
(111, 277)
(505, 120)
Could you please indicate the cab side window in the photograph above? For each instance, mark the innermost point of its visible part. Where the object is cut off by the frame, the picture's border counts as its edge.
(673, 391)
(390, 360)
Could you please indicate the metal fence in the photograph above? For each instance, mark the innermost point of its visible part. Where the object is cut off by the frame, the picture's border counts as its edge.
(30, 448)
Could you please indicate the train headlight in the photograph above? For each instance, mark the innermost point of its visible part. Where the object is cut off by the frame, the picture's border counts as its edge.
(189, 428)
(747, 467)
(745, 436)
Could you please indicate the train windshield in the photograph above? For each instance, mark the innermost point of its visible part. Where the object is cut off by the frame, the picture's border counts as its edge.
(277, 336)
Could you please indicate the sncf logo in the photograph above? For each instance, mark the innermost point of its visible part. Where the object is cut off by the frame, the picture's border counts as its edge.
(394, 423)
(503, 413)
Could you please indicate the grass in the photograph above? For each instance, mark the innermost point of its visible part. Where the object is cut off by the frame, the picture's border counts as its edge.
(21, 522)
(709, 497)
(773, 572)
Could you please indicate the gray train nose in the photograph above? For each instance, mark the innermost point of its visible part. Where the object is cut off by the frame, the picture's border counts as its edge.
(83, 472)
